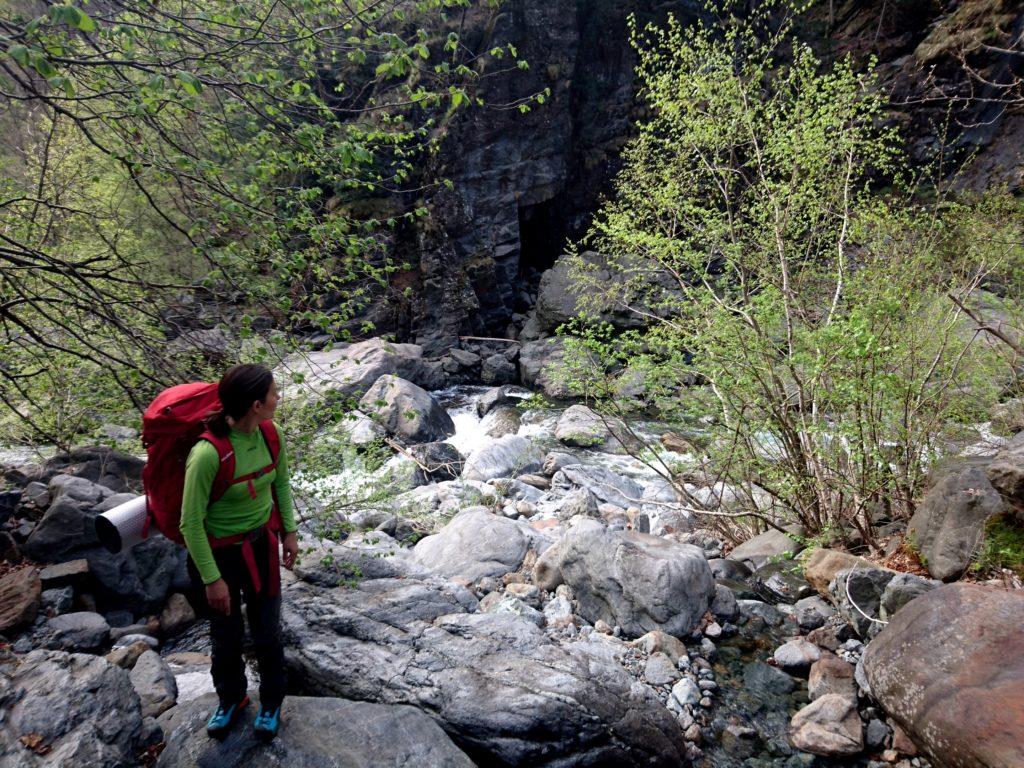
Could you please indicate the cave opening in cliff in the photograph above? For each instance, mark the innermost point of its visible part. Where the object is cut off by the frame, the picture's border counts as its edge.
(543, 228)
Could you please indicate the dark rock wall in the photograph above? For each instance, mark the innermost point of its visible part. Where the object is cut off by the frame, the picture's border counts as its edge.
(523, 183)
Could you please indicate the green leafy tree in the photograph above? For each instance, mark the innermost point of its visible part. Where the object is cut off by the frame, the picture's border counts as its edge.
(810, 308)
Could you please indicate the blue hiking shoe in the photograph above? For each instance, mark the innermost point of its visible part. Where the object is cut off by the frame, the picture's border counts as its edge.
(224, 717)
(266, 723)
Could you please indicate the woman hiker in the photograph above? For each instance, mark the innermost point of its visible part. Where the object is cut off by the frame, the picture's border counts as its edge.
(232, 538)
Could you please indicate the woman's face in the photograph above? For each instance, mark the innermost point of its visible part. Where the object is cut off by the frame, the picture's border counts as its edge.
(266, 408)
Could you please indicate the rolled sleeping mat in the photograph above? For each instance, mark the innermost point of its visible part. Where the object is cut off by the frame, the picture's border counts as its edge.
(123, 526)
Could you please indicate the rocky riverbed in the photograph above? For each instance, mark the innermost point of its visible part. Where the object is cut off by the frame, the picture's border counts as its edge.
(529, 596)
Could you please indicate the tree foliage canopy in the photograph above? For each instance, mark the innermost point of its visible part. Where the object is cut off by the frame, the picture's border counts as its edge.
(157, 144)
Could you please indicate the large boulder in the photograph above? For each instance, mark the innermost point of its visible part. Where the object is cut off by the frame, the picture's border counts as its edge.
(504, 457)
(631, 580)
(314, 732)
(504, 691)
(476, 544)
(607, 486)
(949, 525)
(949, 668)
(582, 427)
(406, 411)
(78, 631)
(80, 708)
(769, 545)
(539, 364)
(1006, 473)
(350, 371)
(69, 522)
(20, 592)
(558, 299)
(440, 461)
(138, 578)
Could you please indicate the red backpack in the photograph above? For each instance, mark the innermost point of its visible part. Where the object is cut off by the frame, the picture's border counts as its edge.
(171, 425)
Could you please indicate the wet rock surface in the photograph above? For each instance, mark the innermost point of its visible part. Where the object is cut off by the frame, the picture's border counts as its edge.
(314, 732)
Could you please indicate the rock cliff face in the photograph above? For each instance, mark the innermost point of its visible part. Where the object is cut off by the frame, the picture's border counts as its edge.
(523, 183)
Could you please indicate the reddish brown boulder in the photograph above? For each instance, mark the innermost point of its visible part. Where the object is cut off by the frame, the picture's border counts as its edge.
(20, 591)
(949, 669)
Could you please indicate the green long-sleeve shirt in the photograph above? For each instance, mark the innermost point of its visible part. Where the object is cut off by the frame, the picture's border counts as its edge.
(236, 511)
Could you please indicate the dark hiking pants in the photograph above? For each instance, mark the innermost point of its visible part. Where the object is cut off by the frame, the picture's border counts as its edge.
(227, 633)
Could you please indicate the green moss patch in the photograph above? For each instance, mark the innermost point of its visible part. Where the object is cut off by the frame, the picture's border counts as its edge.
(1003, 546)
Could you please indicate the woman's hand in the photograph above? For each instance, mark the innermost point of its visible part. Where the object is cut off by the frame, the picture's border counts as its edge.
(218, 596)
(290, 543)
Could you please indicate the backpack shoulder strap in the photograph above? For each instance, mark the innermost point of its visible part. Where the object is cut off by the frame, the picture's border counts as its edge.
(269, 430)
(226, 470)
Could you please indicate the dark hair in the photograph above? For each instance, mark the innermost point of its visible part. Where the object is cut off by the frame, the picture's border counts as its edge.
(239, 387)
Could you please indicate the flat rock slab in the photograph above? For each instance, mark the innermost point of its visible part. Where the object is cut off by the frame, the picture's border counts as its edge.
(502, 689)
(315, 733)
(949, 668)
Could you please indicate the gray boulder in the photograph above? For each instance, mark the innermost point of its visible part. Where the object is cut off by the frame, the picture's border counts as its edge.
(558, 299)
(771, 544)
(504, 691)
(949, 524)
(607, 486)
(154, 682)
(504, 420)
(79, 631)
(360, 429)
(578, 502)
(138, 578)
(539, 363)
(81, 707)
(350, 371)
(857, 594)
(628, 579)
(494, 397)
(476, 544)
(69, 523)
(812, 612)
(442, 460)
(406, 411)
(116, 471)
(498, 369)
(372, 555)
(504, 457)
(315, 732)
(581, 427)
(901, 589)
